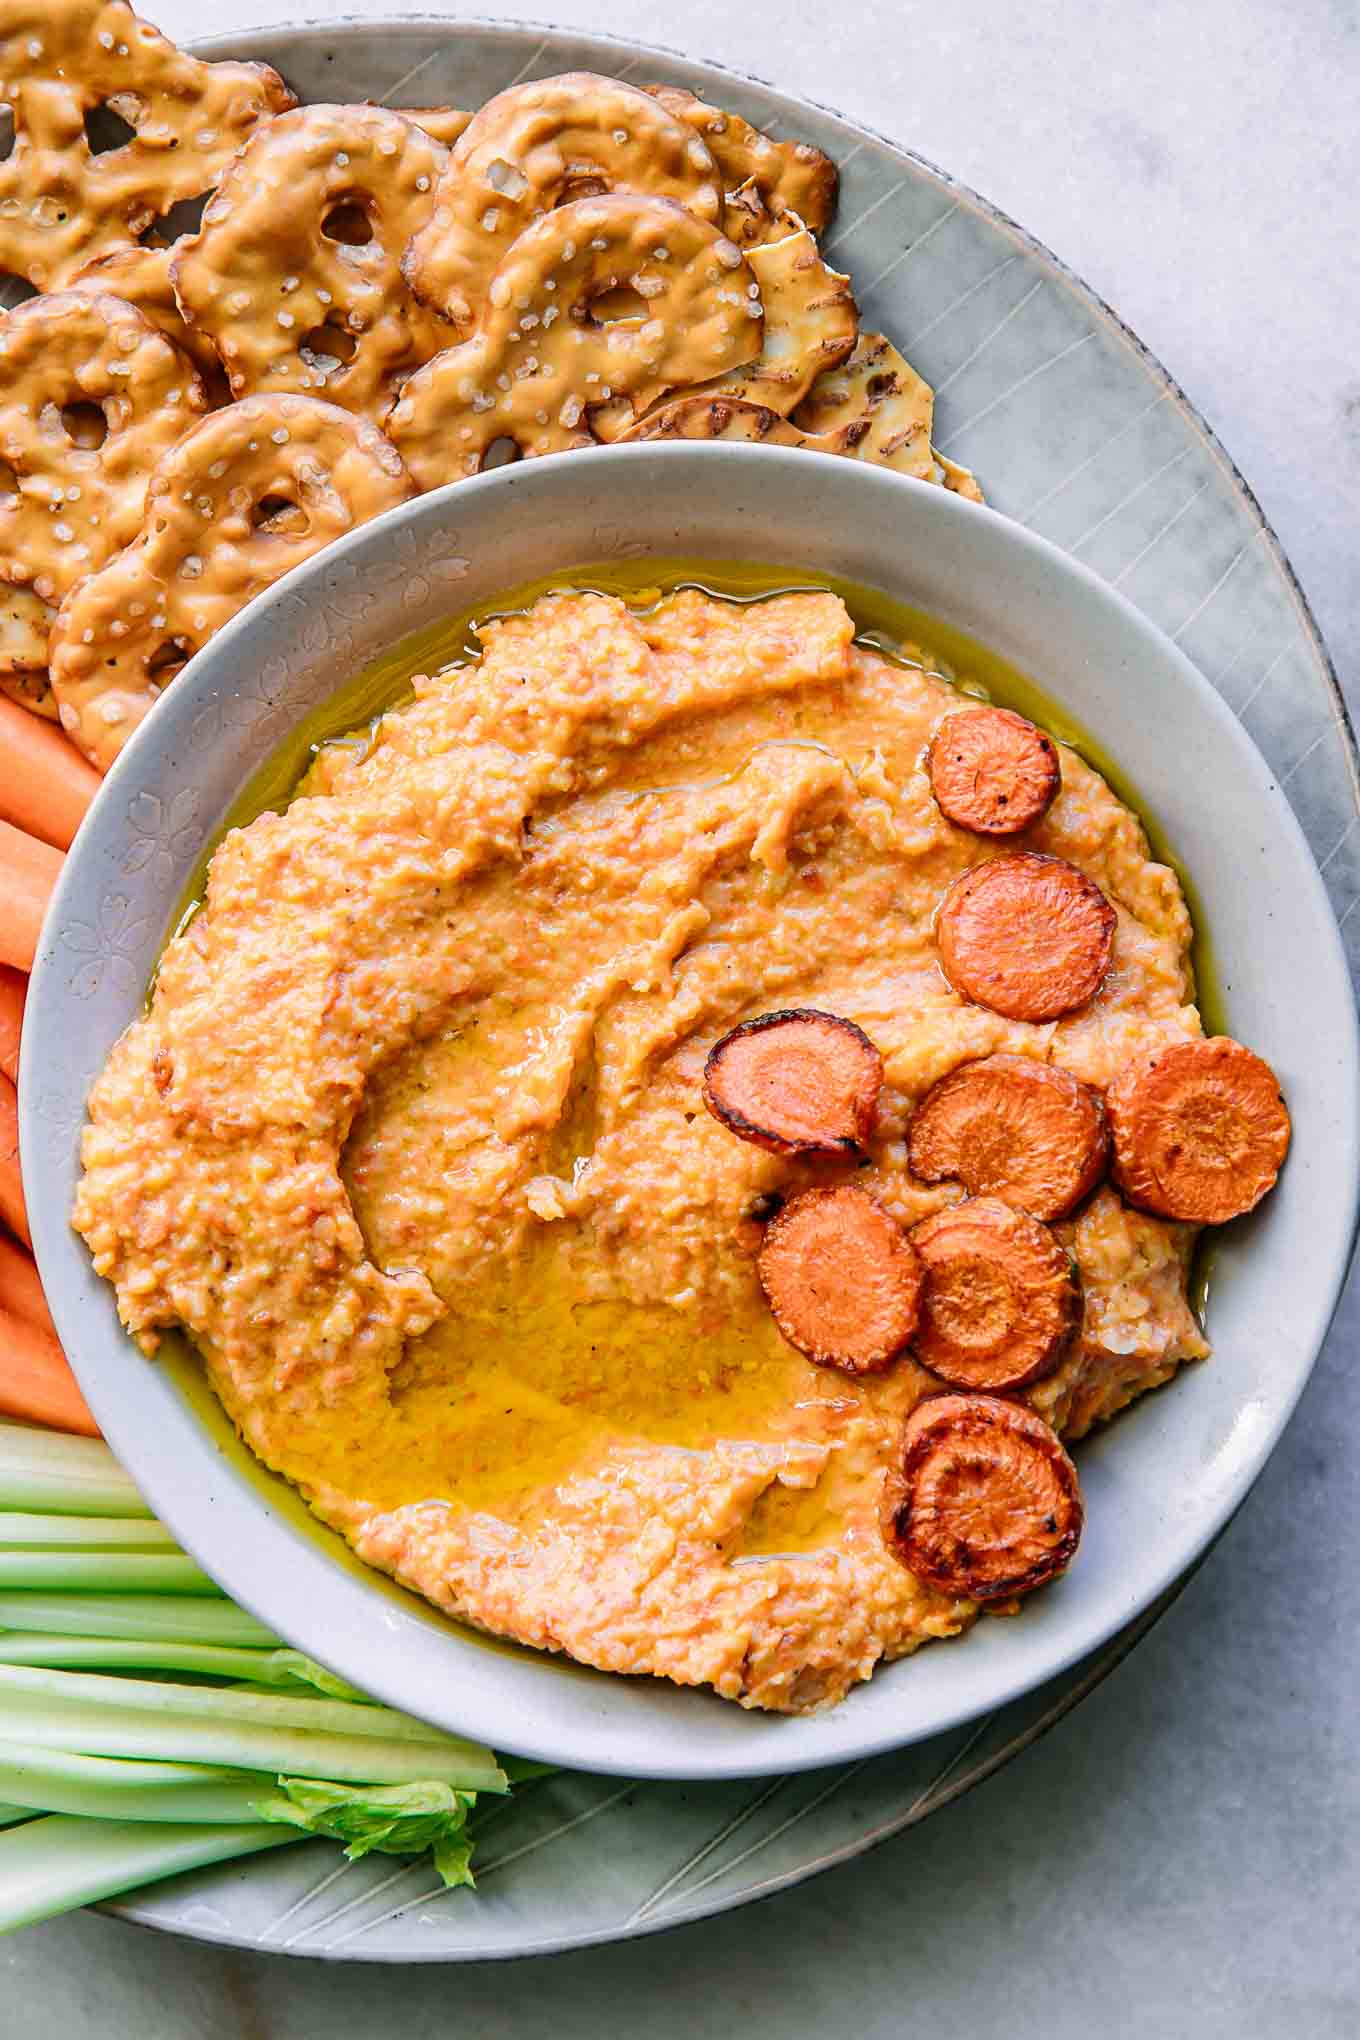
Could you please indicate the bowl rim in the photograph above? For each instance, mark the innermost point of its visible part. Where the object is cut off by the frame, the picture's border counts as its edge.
(54, 1239)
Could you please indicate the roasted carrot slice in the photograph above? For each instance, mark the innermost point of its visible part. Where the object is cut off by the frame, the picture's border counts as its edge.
(1013, 1128)
(987, 1503)
(992, 772)
(1028, 936)
(1001, 1302)
(797, 1082)
(842, 1279)
(1200, 1130)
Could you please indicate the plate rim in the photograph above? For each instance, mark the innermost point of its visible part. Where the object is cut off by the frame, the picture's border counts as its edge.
(409, 23)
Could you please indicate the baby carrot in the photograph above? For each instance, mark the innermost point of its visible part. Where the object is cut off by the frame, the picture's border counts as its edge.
(13, 992)
(28, 872)
(36, 1382)
(21, 1290)
(12, 1208)
(45, 784)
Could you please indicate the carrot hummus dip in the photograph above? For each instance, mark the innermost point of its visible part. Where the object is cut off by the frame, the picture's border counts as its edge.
(643, 1170)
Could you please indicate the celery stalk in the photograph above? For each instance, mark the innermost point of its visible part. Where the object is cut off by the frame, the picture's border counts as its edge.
(77, 1476)
(9, 1814)
(200, 1620)
(106, 1788)
(283, 1667)
(334, 1739)
(245, 1745)
(20, 1684)
(104, 1572)
(51, 1866)
(103, 1533)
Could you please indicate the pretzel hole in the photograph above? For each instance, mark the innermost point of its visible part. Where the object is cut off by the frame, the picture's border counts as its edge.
(163, 664)
(349, 224)
(328, 348)
(14, 290)
(619, 306)
(6, 131)
(106, 130)
(85, 424)
(185, 216)
(501, 453)
(278, 514)
(583, 187)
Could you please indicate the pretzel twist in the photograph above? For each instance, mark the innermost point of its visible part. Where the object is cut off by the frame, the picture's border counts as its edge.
(249, 493)
(63, 200)
(533, 148)
(539, 361)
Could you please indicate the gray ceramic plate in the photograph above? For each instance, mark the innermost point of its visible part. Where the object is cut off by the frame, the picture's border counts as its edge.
(1073, 431)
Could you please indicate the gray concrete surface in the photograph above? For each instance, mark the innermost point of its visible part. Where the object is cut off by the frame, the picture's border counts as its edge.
(1182, 1856)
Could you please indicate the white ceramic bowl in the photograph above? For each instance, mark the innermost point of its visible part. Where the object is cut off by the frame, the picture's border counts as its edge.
(1159, 1483)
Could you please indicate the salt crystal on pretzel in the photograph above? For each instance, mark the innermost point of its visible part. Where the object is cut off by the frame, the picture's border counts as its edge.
(141, 277)
(67, 65)
(539, 360)
(295, 274)
(534, 147)
(253, 490)
(790, 176)
(445, 124)
(90, 396)
(810, 326)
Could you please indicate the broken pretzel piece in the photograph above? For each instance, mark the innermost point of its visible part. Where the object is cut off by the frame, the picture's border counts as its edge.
(791, 177)
(810, 325)
(872, 407)
(25, 621)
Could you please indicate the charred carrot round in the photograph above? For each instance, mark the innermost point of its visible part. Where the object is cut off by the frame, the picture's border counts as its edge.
(1001, 1302)
(841, 1278)
(987, 1503)
(1028, 936)
(1009, 1127)
(992, 772)
(797, 1082)
(1200, 1130)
